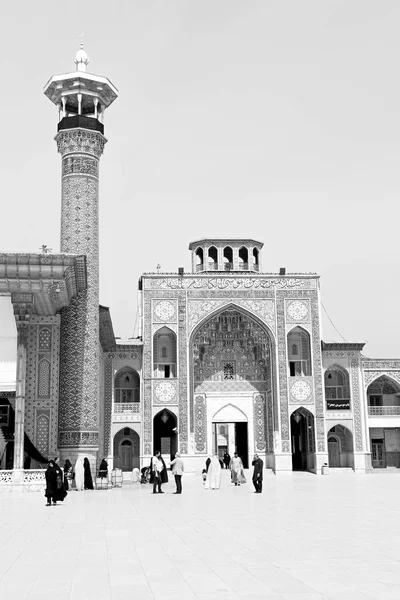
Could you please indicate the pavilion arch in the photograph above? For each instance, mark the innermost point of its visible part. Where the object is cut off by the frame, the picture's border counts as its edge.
(165, 432)
(340, 447)
(383, 396)
(302, 433)
(299, 352)
(126, 385)
(268, 345)
(126, 449)
(337, 386)
(164, 353)
(230, 414)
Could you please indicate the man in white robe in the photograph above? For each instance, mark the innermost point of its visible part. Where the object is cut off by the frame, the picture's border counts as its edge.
(79, 475)
(213, 480)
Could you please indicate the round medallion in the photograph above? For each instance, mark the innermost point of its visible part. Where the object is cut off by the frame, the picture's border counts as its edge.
(297, 310)
(164, 310)
(165, 391)
(301, 390)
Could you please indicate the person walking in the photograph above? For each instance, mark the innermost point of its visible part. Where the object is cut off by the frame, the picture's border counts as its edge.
(236, 469)
(257, 473)
(226, 459)
(67, 474)
(54, 483)
(177, 470)
(158, 467)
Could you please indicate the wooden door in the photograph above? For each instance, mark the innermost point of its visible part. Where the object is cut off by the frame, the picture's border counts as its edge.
(333, 452)
(126, 456)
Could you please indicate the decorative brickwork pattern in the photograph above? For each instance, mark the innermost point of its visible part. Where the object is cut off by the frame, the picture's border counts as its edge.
(263, 309)
(355, 392)
(41, 385)
(282, 366)
(259, 418)
(370, 376)
(43, 431)
(108, 383)
(79, 373)
(200, 415)
(183, 383)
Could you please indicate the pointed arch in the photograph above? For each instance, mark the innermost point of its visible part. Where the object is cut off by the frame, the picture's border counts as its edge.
(126, 385)
(299, 352)
(165, 353)
(229, 413)
(337, 388)
(340, 447)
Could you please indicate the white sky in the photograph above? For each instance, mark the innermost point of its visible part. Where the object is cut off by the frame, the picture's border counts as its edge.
(276, 120)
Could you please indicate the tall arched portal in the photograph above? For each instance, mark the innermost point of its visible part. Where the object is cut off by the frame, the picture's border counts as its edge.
(232, 366)
(303, 440)
(165, 433)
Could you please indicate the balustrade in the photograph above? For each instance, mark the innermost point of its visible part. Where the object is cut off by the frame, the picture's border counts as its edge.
(383, 411)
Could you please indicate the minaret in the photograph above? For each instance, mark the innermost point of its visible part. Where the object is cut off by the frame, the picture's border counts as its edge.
(81, 99)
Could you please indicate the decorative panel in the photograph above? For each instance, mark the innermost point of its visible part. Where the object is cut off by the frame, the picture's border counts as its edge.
(259, 417)
(355, 393)
(200, 415)
(43, 431)
(108, 383)
(301, 390)
(183, 367)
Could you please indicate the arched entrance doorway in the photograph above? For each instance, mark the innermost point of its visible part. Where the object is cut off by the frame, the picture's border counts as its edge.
(303, 440)
(230, 433)
(340, 447)
(232, 360)
(165, 436)
(126, 449)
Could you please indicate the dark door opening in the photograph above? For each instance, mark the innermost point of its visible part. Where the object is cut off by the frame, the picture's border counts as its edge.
(298, 428)
(231, 437)
(241, 441)
(165, 437)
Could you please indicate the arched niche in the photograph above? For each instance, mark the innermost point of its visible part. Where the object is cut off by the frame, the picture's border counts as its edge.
(164, 353)
(126, 386)
(299, 352)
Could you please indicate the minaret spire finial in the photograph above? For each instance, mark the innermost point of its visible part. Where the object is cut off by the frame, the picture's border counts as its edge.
(81, 58)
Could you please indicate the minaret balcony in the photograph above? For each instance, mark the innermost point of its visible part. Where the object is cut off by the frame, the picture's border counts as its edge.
(81, 121)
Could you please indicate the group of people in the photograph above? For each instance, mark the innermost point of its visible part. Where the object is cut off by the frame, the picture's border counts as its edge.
(59, 481)
(159, 475)
(212, 472)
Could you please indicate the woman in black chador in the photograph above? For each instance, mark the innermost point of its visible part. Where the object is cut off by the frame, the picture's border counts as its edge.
(103, 469)
(54, 483)
(88, 475)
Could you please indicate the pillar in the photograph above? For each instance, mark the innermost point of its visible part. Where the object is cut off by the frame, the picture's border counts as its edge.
(80, 150)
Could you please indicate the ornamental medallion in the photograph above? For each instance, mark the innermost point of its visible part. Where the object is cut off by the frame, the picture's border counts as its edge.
(165, 391)
(297, 310)
(164, 310)
(301, 390)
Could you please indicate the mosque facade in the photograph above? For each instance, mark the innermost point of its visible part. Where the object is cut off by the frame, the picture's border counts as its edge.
(228, 358)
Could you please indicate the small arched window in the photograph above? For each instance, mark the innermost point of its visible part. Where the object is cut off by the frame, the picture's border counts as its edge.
(337, 389)
(299, 349)
(127, 386)
(164, 353)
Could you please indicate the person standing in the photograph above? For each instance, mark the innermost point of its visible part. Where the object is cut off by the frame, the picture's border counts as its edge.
(257, 473)
(79, 475)
(54, 483)
(177, 470)
(103, 469)
(213, 480)
(88, 481)
(157, 467)
(226, 459)
(236, 469)
(67, 474)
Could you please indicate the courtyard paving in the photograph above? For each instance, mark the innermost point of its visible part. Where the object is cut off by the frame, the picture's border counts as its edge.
(306, 537)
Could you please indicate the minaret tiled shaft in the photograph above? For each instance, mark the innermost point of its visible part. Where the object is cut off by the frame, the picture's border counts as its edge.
(79, 367)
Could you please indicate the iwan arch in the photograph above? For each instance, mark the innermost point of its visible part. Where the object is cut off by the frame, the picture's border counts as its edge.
(227, 356)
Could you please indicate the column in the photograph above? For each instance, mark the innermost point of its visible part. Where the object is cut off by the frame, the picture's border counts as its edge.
(22, 330)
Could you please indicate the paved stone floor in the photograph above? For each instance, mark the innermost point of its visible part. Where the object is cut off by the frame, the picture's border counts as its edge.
(305, 537)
